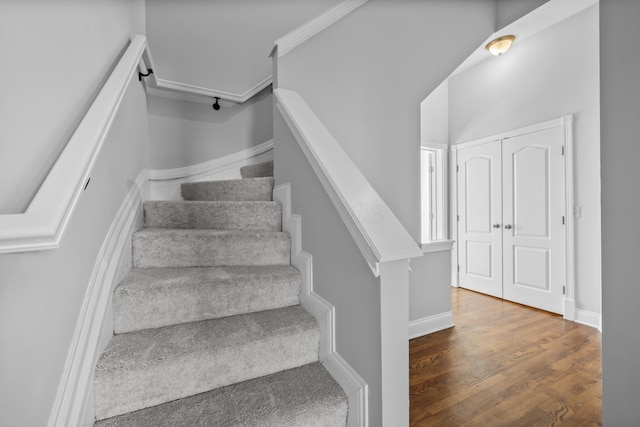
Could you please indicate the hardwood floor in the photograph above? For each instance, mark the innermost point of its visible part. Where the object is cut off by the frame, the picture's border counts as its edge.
(504, 364)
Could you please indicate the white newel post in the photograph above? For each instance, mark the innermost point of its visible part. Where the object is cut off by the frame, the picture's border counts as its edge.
(394, 317)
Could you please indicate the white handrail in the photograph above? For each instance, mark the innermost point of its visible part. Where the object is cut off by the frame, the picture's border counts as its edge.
(375, 229)
(45, 220)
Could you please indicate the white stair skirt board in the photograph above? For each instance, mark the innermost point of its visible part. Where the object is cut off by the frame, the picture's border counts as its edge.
(431, 324)
(165, 184)
(324, 312)
(74, 400)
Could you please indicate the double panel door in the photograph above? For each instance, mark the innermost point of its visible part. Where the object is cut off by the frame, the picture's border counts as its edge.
(511, 220)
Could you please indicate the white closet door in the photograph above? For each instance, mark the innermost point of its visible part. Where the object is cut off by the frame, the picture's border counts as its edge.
(533, 222)
(480, 218)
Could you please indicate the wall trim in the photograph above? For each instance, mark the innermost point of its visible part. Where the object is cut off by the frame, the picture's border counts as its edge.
(43, 224)
(437, 246)
(164, 184)
(192, 92)
(430, 324)
(304, 32)
(189, 92)
(357, 203)
(71, 403)
(351, 382)
(589, 318)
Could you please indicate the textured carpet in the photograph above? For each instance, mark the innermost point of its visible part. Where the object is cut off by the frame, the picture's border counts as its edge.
(208, 326)
(305, 396)
(258, 170)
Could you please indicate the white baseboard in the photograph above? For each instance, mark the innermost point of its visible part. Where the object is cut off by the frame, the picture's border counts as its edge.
(72, 401)
(165, 184)
(355, 388)
(431, 324)
(589, 318)
(324, 312)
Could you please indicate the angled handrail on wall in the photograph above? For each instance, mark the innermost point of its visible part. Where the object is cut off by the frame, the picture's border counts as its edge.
(44, 222)
(375, 229)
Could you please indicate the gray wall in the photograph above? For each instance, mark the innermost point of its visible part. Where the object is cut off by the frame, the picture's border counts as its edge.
(533, 83)
(60, 54)
(228, 41)
(41, 292)
(340, 273)
(508, 11)
(366, 76)
(55, 56)
(620, 127)
(184, 133)
(430, 285)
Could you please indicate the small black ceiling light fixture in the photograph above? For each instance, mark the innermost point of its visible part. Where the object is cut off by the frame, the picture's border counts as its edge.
(500, 45)
(216, 105)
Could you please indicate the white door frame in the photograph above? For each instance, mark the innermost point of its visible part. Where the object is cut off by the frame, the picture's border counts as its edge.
(569, 210)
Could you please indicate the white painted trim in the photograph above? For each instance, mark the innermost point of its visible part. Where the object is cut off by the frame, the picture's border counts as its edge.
(157, 85)
(437, 246)
(203, 94)
(77, 379)
(211, 166)
(306, 31)
(374, 228)
(570, 264)
(355, 388)
(43, 224)
(589, 318)
(453, 222)
(431, 324)
(516, 132)
(164, 184)
(324, 312)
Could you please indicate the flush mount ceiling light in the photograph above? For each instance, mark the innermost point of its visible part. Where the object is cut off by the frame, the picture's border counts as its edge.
(500, 45)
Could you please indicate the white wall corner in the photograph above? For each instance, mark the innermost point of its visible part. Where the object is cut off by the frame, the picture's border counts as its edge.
(324, 312)
(569, 309)
(74, 393)
(430, 324)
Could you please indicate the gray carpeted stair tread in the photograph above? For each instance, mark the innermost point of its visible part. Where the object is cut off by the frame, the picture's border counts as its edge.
(213, 215)
(305, 396)
(258, 170)
(154, 366)
(169, 247)
(249, 189)
(155, 297)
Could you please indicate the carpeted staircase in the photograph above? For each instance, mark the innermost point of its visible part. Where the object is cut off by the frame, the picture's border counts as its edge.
(208, 326)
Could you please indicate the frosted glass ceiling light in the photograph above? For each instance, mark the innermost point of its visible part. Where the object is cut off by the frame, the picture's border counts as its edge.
(500, 45)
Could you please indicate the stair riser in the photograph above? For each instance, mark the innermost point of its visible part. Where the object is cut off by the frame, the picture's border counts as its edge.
(203, 250)
(214, 215)
(256, 189)
(191, 302)
(257, 171)
(128, 391)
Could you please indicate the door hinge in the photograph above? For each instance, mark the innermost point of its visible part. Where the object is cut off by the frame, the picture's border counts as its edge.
(564, 290)
(563, 220)
(563, 150)
(457, 168)
(458, 218)
(458, 269)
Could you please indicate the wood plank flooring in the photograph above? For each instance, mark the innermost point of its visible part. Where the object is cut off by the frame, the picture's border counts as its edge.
(504, 364)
